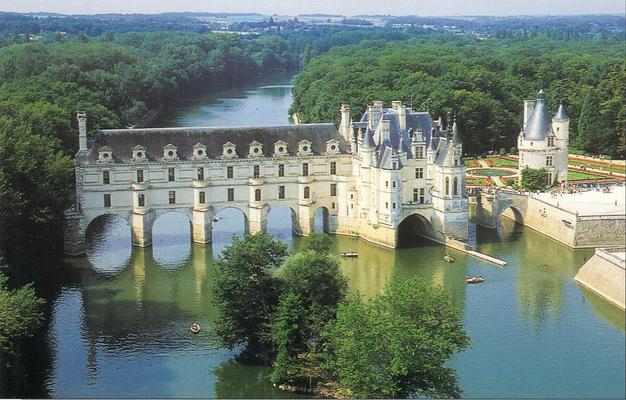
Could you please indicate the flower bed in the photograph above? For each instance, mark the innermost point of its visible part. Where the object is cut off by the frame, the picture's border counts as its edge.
(478, 182)
(491, 172)
(472, 163)
(598, 165)
(502, 162)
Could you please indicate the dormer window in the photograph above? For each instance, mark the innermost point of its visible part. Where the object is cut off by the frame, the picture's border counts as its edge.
(256, 149)
(332, 147)
(170, 152)
(199, 151)
(304, 148)
(139, 153)
(105, 154)
(550, 141)
(228, 150)
(280, 148)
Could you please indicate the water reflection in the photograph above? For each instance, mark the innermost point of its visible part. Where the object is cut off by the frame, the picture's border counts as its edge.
(229, 222)
(109, 243)
(280, 224)
(171, 239)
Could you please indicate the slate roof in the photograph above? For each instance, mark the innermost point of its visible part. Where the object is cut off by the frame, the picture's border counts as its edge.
(561, 115)
(121, 141)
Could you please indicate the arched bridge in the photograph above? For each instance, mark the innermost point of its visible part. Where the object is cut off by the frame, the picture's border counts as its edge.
(492, 204)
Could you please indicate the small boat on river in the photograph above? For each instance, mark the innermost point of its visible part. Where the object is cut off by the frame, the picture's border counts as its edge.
(194, 328)
(350, 254)
(215, 219)
(474, 279)
(449, 259)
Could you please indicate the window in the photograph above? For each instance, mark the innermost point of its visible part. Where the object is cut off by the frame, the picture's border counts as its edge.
(387, 205)
(456, 162)
(421, 195)
(550, 140)
(141, 200)
(332, 205)
(549, 160)
(447, 186)
(281, 192)
(419, 152)
(257, 195)
(106, 177)
(170, 174)
(419, 173)
(231, 194)
(201, 198)
(139, 175)
(386, 183)
(333, 168)
(393, 205)
(171, 197)
(393, 184)
(107, 200)
(394, 165)
(333, 189)
(281, 169)
(200, 173)
(305, 169)
(229, 172)
(415, 195)
(307, 192)
(455, 186)
(257, 171)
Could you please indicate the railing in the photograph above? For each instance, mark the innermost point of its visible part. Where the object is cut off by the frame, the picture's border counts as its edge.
(601, 217)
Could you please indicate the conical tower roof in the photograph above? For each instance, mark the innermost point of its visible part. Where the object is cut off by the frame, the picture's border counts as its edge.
(538, 124)
(456, 136)
(561, 115)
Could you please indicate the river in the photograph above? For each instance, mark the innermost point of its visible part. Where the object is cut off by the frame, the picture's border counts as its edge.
(120, 316)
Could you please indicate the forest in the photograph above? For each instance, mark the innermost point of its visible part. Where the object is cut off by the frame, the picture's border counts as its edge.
(482, 81)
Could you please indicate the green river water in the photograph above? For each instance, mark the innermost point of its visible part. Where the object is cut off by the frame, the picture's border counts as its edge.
(120, 316)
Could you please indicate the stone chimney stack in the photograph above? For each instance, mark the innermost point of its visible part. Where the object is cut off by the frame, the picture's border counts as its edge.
(82, 130)
(345, 126)
(375, 112)
(385, 131)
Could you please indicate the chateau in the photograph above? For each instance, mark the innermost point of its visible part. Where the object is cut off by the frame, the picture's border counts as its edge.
(394, 167)
(543, 144)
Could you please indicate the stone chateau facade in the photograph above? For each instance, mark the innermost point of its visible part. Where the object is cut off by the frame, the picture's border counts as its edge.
(543, 141)
(393, 167)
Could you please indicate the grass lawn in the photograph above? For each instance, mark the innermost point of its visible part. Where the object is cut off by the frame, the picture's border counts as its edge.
(490, 172)
(579, 176)
(598, 165)
(477, 181)
(503, 162)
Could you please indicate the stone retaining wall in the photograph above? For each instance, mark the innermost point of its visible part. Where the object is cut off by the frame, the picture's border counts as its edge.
(604, 273)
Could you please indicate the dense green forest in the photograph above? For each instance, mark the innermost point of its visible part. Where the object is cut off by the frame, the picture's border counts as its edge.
(482, 81)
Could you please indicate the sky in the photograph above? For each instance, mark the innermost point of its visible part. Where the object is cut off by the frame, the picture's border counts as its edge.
(343, 7)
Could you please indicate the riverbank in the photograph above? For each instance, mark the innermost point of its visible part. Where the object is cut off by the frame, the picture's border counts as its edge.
(605, 275)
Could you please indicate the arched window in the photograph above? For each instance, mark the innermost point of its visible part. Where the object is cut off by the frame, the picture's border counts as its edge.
(201, 198)
(141, 200)
(257, 195)
(455, 188)
(447, 186)
(307, 192)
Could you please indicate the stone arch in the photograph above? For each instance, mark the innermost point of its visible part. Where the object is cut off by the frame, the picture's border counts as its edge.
(321, 219)
(509, 210)
(223, 230)
(412, 226)
(278, 228)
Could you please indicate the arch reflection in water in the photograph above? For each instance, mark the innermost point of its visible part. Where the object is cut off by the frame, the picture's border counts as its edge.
(229, 222)
(281, 223)
(109, 243)
(171, 239)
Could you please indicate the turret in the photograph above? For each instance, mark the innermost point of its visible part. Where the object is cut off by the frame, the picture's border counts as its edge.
(456, 136)
(560, 123)
(82, 130)
(367, 148)
(345, 128)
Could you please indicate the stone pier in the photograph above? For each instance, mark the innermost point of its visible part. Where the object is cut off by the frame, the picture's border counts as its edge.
(605, 274)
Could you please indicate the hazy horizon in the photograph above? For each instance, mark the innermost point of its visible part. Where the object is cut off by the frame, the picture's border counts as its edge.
(348, 8)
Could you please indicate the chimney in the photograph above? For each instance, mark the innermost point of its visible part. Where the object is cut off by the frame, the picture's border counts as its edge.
(396, 105)
(345, 128)
(385, 130)
(374, 113)
(402, 116)
(82, 130)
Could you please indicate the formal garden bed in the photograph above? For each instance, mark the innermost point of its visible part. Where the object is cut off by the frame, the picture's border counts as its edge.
(491, 172)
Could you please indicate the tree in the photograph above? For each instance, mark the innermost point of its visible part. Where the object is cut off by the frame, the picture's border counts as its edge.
(590, 124)
(246, 293)
(312, 286)
(534, 179)
(317, 242)
(397, 345)
(20, 312)
(306, 55)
